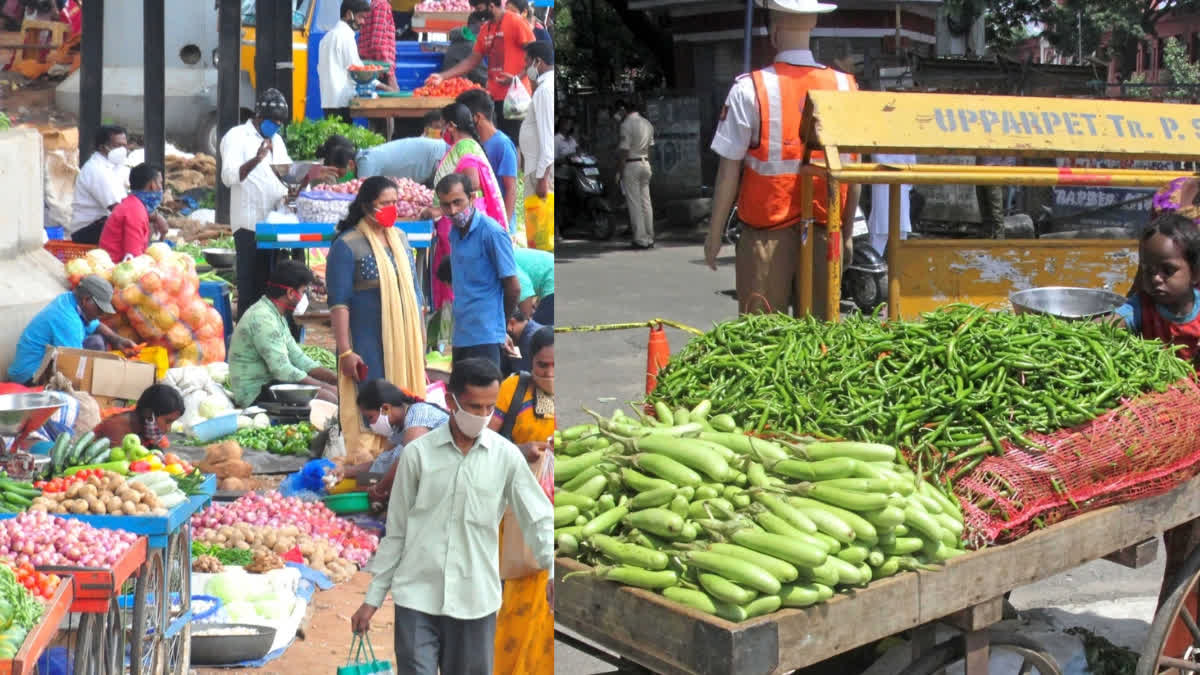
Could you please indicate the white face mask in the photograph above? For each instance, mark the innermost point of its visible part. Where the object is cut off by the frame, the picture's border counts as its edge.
(118, 155)
(532, 72)
(302, 305)
(469, 424)
(382, 426)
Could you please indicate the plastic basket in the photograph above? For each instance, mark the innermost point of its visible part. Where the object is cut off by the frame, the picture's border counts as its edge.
(66, 251)
(218, 427)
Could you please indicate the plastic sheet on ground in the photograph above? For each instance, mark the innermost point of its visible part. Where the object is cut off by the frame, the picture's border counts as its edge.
(260, 461)
(285, 629)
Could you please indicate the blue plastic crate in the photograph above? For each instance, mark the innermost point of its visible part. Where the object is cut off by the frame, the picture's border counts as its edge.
(218, 293)
(412, 74)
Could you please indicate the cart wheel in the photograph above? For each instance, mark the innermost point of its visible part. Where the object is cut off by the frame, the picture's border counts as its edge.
(177, 649)
(1173, 644)
(176, 652)
(87, 633)
(1035, 659)
(147, 626)
(111, 655)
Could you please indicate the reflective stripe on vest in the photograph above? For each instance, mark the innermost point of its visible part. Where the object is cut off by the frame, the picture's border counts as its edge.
(770, 184)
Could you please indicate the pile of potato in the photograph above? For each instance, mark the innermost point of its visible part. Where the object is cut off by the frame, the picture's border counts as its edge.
(109, 495)
(318, 554)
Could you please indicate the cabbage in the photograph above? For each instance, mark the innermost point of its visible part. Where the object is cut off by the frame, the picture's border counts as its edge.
(244, 422)
(232, 587)
(219, 372)
(241, 612)
(213, 406)
(261, 421)
(274, 609)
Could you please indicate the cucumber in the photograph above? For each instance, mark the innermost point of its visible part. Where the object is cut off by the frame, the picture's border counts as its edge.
(58, 451)
(78, 446)
(92, 452)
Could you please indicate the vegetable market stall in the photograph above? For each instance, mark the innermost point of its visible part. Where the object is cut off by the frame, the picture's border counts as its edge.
(398, 106)
(966, 593)
(161, 607)
(934, 272)
(1028, 417)
(39, 636)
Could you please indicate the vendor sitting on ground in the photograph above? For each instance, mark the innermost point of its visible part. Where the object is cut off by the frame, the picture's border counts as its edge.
(400, 416)
(71, 320)
(521, 329)
(127, 229)
(157, 409)
(263, 353)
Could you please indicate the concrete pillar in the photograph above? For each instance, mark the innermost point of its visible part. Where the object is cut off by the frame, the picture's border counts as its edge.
(29, 276)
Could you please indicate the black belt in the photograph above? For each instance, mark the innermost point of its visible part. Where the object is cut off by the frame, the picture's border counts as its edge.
(638, 159)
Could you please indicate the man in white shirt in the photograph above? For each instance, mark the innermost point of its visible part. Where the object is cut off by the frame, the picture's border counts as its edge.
(440, 556)
(247, 153)
(565, 144)
(339, 51)
(537, 129)
(99, 186)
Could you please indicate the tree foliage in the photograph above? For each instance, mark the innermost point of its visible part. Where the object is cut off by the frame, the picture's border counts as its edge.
(1106, 29)
(600, 46)
(1181, 70)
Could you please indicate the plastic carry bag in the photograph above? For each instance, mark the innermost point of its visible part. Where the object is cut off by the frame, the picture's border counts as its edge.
(516, 560)
(518, 100)
(539, 221)
(362, 659)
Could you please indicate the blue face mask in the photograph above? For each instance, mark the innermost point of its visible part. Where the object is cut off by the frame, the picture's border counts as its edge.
(462, 219)
(269, 128)
(150, 199)
(93, 326)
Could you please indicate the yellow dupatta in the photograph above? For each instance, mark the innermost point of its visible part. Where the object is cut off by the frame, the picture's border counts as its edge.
(403, 338)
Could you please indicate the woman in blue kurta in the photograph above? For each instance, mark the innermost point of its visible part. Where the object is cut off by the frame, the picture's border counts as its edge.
(375, 310)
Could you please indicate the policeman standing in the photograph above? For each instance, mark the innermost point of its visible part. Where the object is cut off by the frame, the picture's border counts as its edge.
(761, 153)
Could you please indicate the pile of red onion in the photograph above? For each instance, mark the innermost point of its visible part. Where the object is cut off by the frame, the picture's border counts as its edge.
(39, 538)
(272, 509)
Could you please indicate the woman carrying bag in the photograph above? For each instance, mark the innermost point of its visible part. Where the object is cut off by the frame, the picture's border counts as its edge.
(525, 415)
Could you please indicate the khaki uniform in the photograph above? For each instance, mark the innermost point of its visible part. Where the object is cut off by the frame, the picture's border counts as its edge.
(637, 136)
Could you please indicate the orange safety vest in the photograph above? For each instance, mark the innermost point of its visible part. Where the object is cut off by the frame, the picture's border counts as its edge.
(770, 184)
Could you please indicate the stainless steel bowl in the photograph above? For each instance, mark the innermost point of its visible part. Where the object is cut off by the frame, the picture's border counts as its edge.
(18, 409)
(1066, 302)
(220, 257)
(295, 394)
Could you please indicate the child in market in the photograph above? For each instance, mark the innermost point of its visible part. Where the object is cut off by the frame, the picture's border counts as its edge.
(1165, 304)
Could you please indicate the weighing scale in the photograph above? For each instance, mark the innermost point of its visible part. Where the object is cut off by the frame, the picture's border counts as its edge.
(21, 415)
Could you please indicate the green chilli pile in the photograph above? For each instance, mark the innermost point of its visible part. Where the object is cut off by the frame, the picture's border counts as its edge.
(738, 526)
(949, 387)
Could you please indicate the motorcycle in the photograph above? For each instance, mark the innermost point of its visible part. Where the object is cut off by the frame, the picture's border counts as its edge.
(581, 200)
(865, 279)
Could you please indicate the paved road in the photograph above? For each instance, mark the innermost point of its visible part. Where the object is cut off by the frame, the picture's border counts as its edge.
(601, 371)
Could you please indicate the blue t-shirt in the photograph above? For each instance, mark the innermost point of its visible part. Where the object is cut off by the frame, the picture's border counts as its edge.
(502, 155)
(59, 324)
(1131, 311)
(412, 158)
(479, 259)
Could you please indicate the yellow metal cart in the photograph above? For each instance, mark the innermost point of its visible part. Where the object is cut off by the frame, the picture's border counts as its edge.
(933, 272)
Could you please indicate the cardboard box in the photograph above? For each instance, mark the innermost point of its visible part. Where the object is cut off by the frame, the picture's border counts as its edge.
(107, 377)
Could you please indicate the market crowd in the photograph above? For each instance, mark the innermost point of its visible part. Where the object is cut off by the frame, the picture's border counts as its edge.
(444, 357)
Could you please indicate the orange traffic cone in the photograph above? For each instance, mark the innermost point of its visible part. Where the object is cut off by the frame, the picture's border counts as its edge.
(657, 354)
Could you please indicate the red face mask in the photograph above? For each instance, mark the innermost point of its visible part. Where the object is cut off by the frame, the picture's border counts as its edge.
(386, 216)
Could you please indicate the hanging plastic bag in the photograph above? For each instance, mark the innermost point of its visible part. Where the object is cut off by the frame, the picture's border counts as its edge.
(516, 560)
(539, 221)
(518, 100)
(362, 660)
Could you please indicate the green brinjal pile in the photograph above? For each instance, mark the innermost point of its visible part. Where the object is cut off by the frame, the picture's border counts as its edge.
(738, 526)
(949, 387)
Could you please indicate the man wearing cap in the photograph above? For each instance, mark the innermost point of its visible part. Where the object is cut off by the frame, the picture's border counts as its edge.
(247, 153)
(71, 320)
(760, 156)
